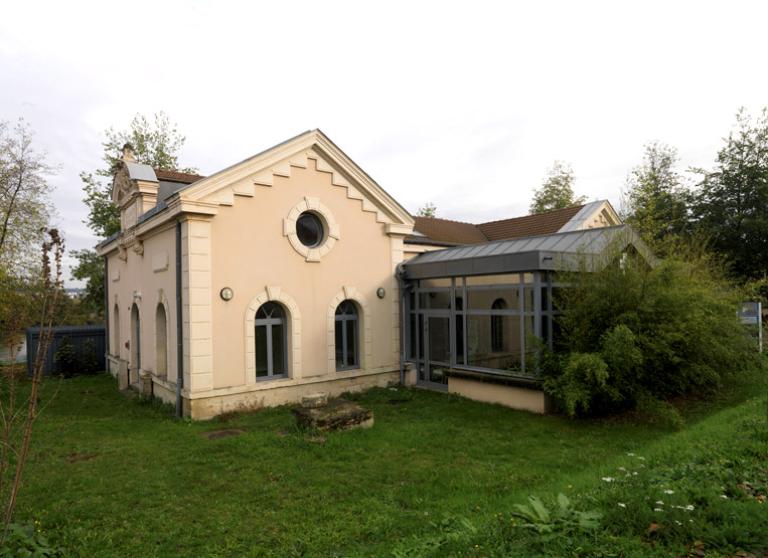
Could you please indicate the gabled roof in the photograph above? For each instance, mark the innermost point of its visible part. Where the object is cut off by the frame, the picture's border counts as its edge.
(565, 250)
(529, 225)
(445, 232)
(240, 179)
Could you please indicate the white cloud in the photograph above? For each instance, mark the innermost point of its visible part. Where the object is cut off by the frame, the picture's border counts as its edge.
(462, 104)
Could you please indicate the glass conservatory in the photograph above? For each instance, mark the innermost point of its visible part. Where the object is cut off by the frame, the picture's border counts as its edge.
(484, 311)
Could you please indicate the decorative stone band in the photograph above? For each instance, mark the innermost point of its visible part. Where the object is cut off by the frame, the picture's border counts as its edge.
(332, 233)
(350, 293)
(293, 316)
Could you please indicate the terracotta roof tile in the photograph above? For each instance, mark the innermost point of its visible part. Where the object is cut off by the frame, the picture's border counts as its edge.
(529, 225)
(447, 232)
(450, 232)
(176, 176)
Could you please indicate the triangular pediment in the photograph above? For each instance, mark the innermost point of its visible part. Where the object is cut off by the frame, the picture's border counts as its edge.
(312, 149)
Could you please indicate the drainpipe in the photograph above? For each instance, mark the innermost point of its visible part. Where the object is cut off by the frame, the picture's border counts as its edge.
(179, 327)
(400, 275)
(106, 313)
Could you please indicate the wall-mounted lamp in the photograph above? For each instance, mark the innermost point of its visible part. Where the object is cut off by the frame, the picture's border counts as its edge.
(226, 293)
(380, 292)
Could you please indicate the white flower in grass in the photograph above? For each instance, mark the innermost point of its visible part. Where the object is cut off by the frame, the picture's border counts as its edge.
(668, 491)
(622, 505)
(676, 521)
(622, 469)
(659, 503)
(689, 507)
(634, 473)
(608, 479)
(724, 497)
(658, 510)
(641, 458)
(631, 454)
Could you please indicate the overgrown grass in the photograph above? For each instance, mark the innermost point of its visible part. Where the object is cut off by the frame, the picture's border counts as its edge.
(111, 476)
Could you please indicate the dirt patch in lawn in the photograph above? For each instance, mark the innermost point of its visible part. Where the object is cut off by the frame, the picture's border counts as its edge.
(77, 457)
(225, 433)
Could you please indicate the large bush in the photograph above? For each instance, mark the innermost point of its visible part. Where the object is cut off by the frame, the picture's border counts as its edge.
(634, 333)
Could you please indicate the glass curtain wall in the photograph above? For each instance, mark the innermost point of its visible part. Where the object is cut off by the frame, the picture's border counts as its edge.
(492, 323)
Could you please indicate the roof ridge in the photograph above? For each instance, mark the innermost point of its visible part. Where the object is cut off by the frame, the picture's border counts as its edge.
(444, 219)
(559, 233)
(175, 171)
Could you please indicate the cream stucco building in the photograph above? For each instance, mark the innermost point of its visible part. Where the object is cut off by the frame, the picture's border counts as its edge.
(280, 276)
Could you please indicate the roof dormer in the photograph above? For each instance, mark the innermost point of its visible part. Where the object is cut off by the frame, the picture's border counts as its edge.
(134, 189)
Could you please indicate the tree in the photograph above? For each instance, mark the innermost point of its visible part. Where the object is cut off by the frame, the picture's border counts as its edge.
(731, 206)
(90, 268)
(24, 204)
(556, 191)
(428, 210)
(155, 143)
(655, 202)
(19, 408)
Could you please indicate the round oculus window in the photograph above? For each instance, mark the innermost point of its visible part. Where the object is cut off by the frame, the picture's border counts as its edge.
(309, 229)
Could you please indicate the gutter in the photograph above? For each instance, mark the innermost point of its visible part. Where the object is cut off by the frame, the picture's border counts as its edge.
(179, 327)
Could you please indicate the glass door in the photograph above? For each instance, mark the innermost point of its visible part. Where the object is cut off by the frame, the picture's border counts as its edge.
(437, 350)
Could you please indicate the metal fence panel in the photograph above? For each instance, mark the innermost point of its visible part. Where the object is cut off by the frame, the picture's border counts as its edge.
(73, 350)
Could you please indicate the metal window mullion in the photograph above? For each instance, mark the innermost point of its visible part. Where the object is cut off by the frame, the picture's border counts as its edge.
(493, 312)
(417, 311)
(356, 348)
(452, 348)
(344, 342)
(550, 311)
(270, 364)
(521, 295)
(537, 304)
(464, 318)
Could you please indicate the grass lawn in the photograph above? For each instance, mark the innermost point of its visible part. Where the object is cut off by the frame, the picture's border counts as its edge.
(112, 476)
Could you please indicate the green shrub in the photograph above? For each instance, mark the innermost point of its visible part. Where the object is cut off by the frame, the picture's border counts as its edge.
(658, 412)
(66, 358)
(584, 379)
(558, 520)
(25, 540)
(645, 332)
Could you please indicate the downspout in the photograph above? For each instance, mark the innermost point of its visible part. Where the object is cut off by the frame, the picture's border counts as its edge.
(400, 275)
(106, 313)
(179, 327)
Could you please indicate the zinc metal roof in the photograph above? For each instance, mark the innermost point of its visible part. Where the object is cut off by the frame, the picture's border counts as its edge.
(565, 250)
(139, 171)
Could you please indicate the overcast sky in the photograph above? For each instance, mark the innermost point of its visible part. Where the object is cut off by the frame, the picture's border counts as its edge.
(462, 104)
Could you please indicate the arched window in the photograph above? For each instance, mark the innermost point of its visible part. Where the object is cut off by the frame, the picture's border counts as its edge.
(135, 365)
(271, 346)
(497, 326)
(161, 341)
(347, 343)
(116, 332)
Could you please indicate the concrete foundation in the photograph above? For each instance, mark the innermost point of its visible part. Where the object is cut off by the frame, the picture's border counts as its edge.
(516, 397)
